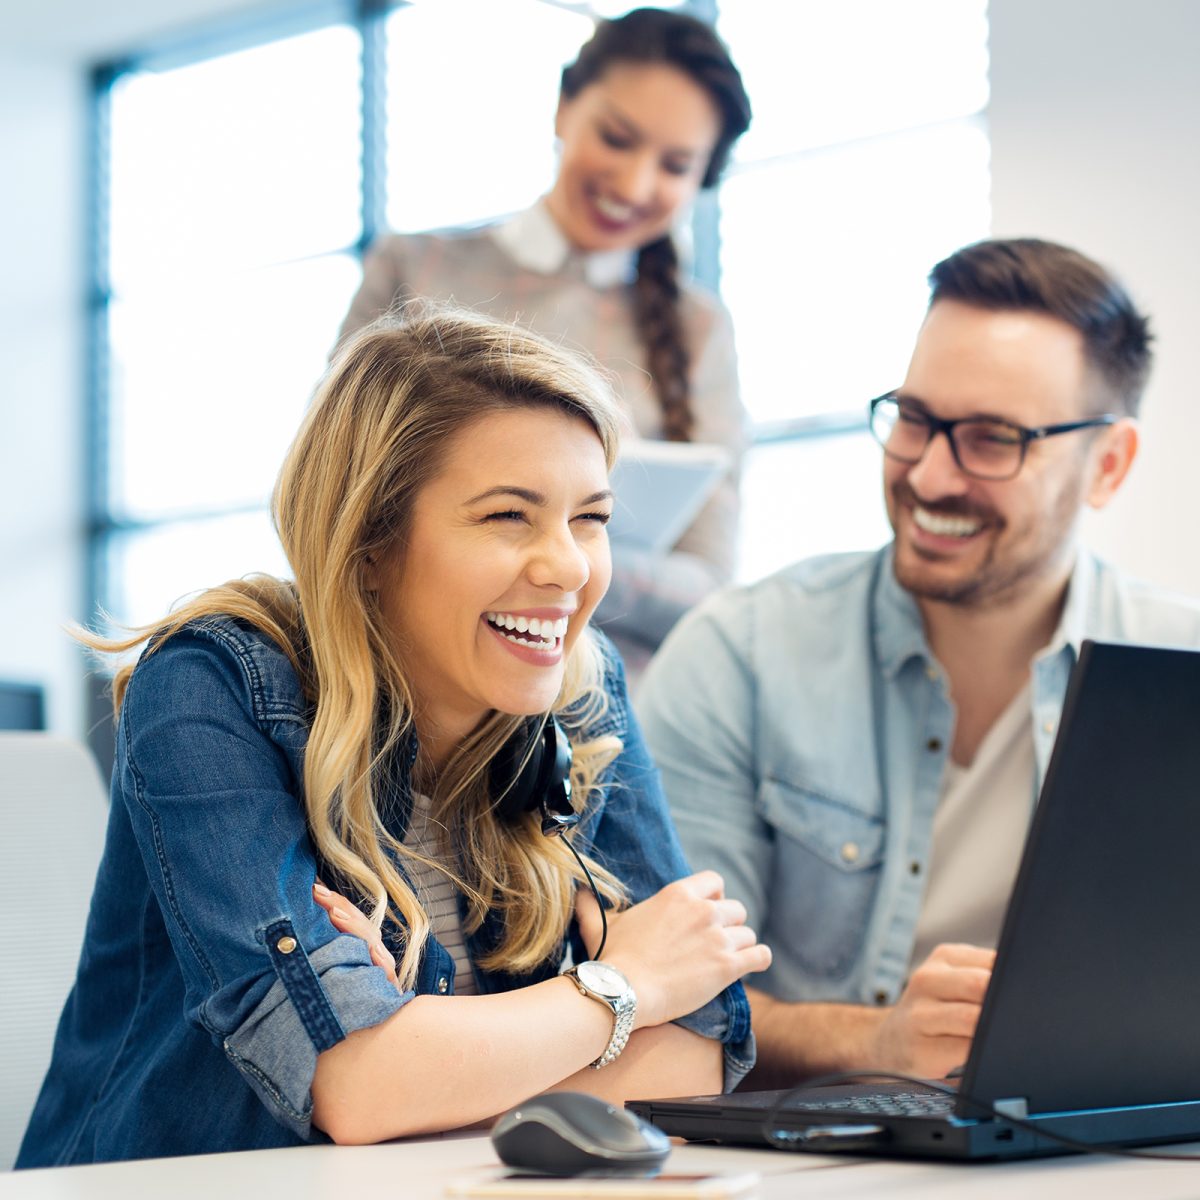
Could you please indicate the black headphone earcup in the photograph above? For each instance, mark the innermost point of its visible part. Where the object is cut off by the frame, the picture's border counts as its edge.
(533, 771)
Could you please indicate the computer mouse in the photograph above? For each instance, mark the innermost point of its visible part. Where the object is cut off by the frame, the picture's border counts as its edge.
(572, 1133)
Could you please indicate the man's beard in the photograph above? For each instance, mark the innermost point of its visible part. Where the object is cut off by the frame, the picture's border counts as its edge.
(992, 582)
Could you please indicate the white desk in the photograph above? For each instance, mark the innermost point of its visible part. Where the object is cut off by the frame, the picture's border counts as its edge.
(419, 1170)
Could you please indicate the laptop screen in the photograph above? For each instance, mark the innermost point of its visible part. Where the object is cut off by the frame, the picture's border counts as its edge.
(1096, 987)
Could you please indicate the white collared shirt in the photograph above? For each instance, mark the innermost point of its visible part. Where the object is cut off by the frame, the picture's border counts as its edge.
(535, 242)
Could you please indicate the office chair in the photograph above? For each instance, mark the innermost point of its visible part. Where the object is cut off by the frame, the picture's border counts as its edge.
(22, 706)
(53, 813)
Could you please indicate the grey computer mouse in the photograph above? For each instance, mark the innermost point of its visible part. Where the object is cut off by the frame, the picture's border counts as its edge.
(572, 1133)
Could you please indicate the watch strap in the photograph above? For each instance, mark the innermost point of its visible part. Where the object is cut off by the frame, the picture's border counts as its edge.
(624, 1010)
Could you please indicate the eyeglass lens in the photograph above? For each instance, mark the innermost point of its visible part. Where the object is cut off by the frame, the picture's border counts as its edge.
(986, 448)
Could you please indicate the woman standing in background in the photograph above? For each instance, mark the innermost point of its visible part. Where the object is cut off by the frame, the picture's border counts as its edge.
(647, 115)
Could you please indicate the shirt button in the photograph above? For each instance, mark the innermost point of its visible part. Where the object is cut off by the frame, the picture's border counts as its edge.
(914, 867)
(881, 997)
(1047, 726)
(285, 945)
(850, 852)
(931, 673)
(933, 745)
(443, 985)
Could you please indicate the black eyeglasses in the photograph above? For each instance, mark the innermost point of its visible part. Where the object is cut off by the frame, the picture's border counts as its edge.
(983, 447)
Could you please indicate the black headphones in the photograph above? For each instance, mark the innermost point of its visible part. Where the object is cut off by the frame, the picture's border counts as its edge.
(532, 772)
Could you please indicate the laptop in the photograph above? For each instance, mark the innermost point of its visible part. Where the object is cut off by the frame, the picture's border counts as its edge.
(1091, 1024)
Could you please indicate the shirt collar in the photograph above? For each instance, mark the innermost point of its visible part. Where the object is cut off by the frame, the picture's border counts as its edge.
(535, 242)
(899, 632)
(1072, 625)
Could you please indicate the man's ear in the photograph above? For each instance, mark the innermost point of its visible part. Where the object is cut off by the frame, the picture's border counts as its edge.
(1112, 458)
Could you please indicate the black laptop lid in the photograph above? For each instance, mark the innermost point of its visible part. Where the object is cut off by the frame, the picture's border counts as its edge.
(1095, 997)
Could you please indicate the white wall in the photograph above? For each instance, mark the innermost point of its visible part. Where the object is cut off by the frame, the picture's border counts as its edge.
(1095, 124)
(42, 107)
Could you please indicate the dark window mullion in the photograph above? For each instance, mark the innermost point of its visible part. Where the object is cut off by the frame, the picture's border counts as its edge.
(706, 214)
(97, 389)
(372, 16)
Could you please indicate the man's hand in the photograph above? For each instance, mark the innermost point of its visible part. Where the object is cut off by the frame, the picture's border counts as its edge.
(929, 1030)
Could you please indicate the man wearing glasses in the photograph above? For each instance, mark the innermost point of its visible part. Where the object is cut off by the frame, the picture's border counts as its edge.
(857, 742)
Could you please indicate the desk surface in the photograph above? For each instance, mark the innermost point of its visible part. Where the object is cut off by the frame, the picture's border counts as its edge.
(420, 1169)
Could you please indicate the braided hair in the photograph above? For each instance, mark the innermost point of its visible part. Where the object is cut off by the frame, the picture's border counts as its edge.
(649, 36)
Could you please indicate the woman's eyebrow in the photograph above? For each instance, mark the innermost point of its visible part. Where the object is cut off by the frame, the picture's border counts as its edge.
(507, 489)
(632, 128)
(531, 497)
(615, 114)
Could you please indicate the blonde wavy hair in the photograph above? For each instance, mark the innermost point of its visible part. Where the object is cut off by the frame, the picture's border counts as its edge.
(377, 432)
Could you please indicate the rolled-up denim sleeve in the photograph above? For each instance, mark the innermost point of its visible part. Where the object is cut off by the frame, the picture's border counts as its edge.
(316, 1000)
(221, 827)
(634, 837)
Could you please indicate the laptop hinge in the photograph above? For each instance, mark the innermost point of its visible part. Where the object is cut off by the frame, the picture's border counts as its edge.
(1017, 1107)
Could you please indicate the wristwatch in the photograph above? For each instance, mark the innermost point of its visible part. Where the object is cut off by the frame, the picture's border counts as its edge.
(605, 983)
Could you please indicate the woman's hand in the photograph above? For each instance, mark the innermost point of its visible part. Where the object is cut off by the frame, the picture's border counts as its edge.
(348, 918)
(678, 948)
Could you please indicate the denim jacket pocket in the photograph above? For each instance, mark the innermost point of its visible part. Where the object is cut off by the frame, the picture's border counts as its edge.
(828, 858)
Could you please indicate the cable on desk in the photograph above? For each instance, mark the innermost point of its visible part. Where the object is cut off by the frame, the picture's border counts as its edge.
(772, 1133)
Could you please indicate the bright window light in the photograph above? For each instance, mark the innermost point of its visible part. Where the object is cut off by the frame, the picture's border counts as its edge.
(824, 258)
(867, 163)
(823, 73)
(211, 387)
(236, 161)
(156, 568)
(813, 496)
(472, 89)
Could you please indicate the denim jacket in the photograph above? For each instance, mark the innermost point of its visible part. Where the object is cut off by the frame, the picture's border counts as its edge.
(209, 979)
(802, 725)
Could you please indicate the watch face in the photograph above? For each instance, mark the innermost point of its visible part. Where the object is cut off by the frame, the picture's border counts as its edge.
(602, 978)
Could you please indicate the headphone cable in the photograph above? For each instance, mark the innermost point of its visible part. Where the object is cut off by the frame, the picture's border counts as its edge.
(595, 892)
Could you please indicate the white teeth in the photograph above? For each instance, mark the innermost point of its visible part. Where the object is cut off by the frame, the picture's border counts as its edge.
(540, 632)
(946, 526)
(612, 209)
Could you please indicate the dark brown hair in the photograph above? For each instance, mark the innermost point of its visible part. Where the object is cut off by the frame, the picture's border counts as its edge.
(1030, 275)
(652, 35)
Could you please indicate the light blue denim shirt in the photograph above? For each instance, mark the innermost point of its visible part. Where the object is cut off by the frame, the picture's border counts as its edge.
(209, 980)
(801, 726)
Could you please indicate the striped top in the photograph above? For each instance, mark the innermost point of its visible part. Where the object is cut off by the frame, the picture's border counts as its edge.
(437, 894)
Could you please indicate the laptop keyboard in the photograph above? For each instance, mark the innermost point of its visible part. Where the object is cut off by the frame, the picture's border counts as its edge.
(883, 1104)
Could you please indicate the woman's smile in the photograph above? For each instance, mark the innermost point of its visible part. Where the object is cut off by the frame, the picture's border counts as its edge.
(540, 631)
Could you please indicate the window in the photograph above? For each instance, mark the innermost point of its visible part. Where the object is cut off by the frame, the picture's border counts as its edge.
(236, 189)
(491, 158)
(234, 200)
(866, 163)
